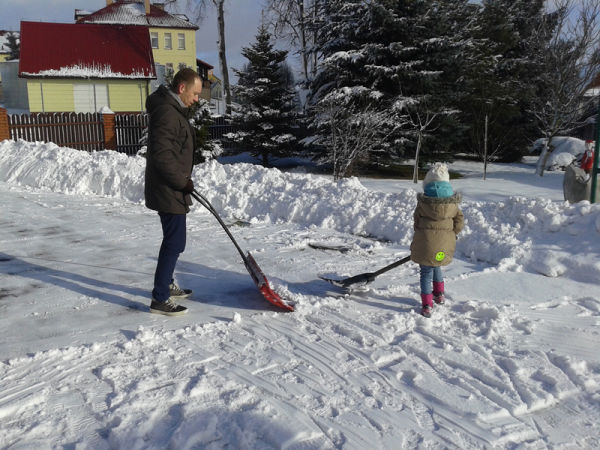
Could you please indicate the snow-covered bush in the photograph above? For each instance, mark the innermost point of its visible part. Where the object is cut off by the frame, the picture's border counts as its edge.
(564, 150)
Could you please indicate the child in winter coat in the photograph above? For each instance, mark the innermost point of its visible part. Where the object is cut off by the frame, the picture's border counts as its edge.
(438, 220)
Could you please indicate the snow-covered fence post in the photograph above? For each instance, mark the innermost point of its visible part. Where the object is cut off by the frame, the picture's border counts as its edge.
(110, 134)
(4, 130)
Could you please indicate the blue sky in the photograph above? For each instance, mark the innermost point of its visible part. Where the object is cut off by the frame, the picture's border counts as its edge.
(242, 18)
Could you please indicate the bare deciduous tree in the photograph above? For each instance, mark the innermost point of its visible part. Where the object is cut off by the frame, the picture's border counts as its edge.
(295, 20)
(420, 122)
(418, 115)
(487, 155)
(572, 61)
(353, 132)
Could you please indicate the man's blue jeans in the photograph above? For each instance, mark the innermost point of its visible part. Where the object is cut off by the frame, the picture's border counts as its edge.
(430, 274)
(173, 243)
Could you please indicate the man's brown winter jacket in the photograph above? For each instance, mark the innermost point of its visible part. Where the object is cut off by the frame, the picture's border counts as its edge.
(170, 154)
(437, 222)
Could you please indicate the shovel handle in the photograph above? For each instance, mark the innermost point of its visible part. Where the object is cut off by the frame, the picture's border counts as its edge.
(391, 266)
(204, 202)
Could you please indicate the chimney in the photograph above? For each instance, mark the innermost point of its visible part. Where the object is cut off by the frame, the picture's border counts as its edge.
(109, 2)
(147, 5)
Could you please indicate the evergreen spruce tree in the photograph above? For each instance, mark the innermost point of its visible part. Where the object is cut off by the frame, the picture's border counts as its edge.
(440, 39)
(395, 57)
(359, 77)
(12, 40)
(266, 100)
(504, 78)
(201, 119)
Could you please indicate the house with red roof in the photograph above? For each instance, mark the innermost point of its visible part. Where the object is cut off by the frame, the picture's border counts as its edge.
(84, 68)
(172, 36)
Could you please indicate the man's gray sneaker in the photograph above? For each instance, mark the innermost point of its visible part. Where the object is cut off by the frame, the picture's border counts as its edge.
(176, 292)
(168, 308)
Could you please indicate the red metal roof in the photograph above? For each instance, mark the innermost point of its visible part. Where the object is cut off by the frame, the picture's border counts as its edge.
(67, 50)
(133, 12)
(204, 63)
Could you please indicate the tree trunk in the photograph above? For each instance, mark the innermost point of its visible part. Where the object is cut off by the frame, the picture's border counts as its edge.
(222, 55)
(485, 147)
(314, 40)
(303, 39)
(543, 160)
(544, 155)
(416, 170)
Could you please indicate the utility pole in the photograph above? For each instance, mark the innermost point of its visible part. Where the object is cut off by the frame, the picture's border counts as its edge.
(595, 167)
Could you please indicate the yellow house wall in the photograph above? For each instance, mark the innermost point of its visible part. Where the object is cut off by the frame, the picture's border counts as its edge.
(58, 95)
(123, 95)
(3, 57)
(128, 95)
(175, 56)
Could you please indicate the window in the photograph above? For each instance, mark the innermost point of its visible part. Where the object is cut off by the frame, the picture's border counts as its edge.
(154, 39)
(181, 41)
(168, 44)
(182, 66)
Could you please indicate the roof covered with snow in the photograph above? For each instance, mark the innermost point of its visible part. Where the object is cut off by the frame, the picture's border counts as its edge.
(85, 51)
(133, 12)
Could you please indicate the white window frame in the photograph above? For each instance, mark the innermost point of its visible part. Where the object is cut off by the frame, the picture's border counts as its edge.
(180, 41)
(154, 39)
(168, 41)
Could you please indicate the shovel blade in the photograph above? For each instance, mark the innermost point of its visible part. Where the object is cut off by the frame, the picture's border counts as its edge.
(263, 285)
(363, 278)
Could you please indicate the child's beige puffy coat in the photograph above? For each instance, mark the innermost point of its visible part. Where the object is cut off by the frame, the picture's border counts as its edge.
(437, 222)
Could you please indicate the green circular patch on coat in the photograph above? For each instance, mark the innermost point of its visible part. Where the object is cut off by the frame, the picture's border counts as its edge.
(439, 256)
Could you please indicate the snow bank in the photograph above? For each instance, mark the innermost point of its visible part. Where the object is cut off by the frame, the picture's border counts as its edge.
(244, 191)
(60, 169)
(517, 234)
(269, 195)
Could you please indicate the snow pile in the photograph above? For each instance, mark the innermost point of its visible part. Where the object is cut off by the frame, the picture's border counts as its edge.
(519, 234)
(243, 191)
(60, 169)
(512, 234)
(269, 195)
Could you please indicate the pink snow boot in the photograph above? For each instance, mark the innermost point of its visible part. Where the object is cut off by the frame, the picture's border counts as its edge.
(438, 292)
(427, 305)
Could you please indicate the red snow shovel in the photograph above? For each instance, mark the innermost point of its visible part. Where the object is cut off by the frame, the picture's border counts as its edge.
(257, 275)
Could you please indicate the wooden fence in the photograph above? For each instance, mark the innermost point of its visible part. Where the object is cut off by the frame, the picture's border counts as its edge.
(87, 131)
(83, 131)
(130, 130)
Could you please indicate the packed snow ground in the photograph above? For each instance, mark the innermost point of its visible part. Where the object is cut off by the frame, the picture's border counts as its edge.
(511, 361)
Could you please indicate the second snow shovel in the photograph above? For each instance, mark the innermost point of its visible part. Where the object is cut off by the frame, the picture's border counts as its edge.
(364, 278)
(257, 275)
